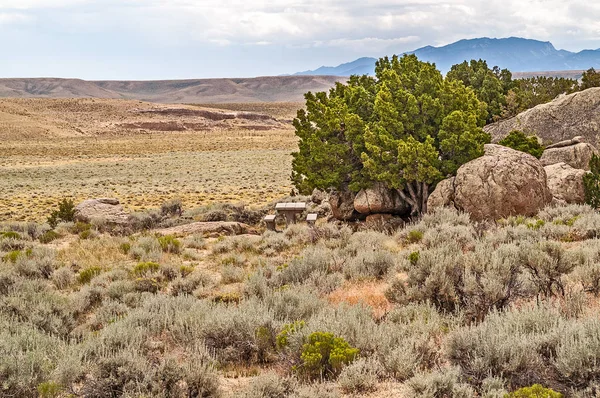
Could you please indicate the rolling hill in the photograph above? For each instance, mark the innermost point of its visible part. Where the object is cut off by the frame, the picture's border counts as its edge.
(260, 89)
(516, 54)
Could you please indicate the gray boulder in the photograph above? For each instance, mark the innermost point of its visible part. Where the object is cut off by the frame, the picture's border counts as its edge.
(502, 183)
(342, 205)
(566, 183)
(577, 156)
(380, 199)
(572, 115)
(108, 210)
(442, 195)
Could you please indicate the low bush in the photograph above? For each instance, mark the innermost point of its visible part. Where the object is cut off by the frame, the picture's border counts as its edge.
(143, 268)
(360, 377)
(270, 385)
(437, 384)
(86, 275)
(49, 236)
(65, 213)
(324, 356)
(169, 244)
(535, 391)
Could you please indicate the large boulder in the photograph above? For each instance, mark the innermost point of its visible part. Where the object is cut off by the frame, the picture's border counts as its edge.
(577, 156)
(572, 115)
(109, 210)
(565, 183)
(380, 199)
(442, 195)
(502, 183)
(342, 205)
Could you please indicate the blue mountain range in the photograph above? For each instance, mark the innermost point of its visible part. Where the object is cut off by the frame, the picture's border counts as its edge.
(514, 53)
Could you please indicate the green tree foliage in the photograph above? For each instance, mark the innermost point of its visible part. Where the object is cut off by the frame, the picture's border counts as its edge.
(591, 183)
(65, 212)
(535, 391)
(324, 355)
(490, 85)
(590, 79)
(407, 127)
(533, 91)
(521, 142)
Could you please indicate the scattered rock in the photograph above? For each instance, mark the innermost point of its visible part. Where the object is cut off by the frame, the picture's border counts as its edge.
(380, 199)
(106, 209)
(577, 156)
(566, 183)
(342, 205)
(208, 228)
(442, 195)
(577, 114)
(502, 183)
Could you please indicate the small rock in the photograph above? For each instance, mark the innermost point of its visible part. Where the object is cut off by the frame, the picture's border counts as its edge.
(380, 199)
(106, 209)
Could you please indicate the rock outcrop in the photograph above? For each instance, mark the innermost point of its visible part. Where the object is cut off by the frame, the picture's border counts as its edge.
(442, 195)
(577, 156)
(342, 205)
(502, 183)
(572, 115)
(108, 210)
(380, 199)
(565, 183)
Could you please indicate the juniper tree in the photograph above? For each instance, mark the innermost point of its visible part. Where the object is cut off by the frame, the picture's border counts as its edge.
(407, 127)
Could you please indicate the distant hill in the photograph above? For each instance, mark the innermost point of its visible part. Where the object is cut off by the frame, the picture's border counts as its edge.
(513, 53)
(260, 89)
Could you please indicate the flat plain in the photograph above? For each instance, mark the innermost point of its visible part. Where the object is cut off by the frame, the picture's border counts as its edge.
(144, 154)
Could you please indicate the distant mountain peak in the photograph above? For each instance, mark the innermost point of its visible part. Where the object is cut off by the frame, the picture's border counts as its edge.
(517, 54)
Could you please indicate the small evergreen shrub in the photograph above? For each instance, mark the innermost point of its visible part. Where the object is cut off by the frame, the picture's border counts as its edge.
(169, 244)
(65, 213)
(49, 236)
(414, 236)
(10, 235)
(144, 268)
(324, 356)
(519, 141)
(86, 275)
(535, 391)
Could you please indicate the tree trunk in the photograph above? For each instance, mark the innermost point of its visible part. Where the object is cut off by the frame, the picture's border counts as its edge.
(418, 193)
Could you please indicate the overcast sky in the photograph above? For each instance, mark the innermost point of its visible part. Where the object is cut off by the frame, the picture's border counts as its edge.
(173, 39)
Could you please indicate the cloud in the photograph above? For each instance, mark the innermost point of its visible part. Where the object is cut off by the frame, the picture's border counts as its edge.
(285, 32)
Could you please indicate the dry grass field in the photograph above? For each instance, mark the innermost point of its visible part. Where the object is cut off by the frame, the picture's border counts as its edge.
(141, 153)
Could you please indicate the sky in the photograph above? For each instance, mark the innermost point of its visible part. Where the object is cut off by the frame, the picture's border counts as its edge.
(178, 39)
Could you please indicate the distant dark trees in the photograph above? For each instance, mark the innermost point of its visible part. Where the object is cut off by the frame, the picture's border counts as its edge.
(506, 97)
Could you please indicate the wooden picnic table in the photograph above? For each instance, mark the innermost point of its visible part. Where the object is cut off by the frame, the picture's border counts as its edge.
(289, 210)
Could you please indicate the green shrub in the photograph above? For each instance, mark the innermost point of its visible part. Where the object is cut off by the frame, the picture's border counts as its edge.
(65, 213)
(414, 236)
(12, 256)
(80, 227)
(49, 389)
(591, 183)
(125, 247)
(49, 236)
(87, 234)
(519, 141)
(86, 275)
(325, 355)
(143, 268)
(169, 244)
(535, 391)
(10, 235)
